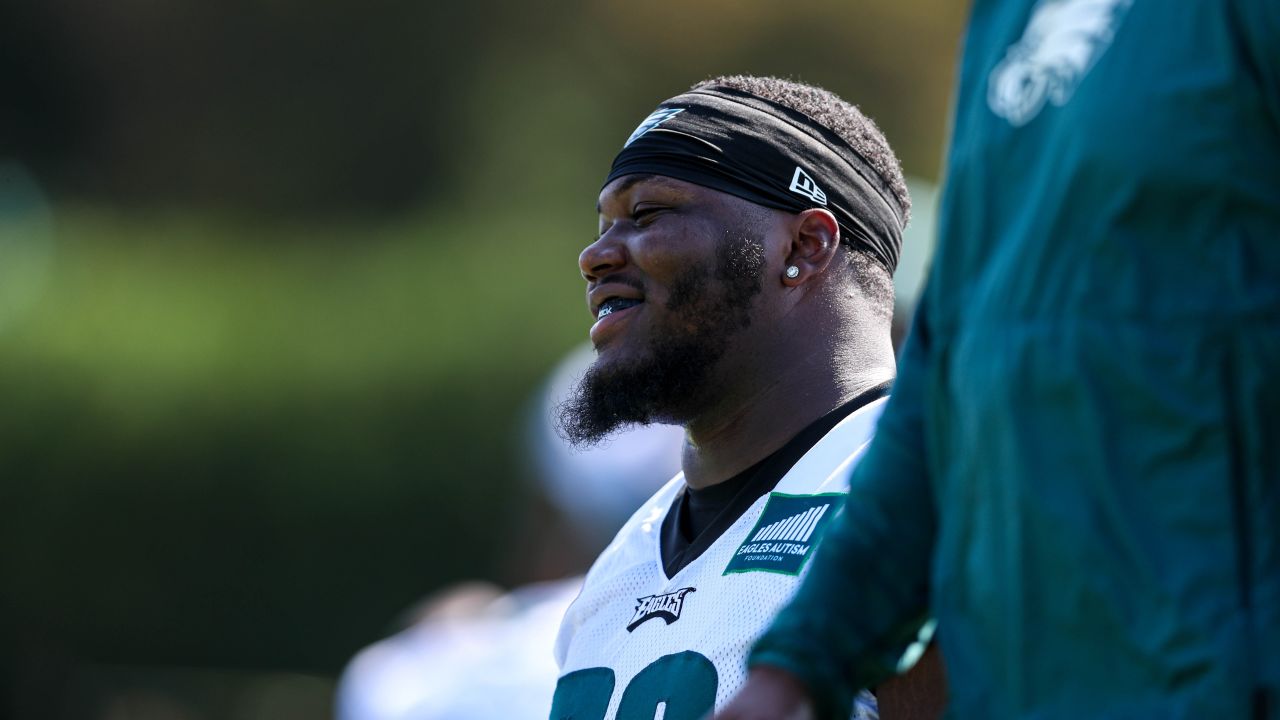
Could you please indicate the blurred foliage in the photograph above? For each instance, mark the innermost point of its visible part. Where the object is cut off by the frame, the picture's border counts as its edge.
(307, 106)
(263, 437)
(263, 379)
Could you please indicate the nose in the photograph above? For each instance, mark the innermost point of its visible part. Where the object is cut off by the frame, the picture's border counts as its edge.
(604, 256)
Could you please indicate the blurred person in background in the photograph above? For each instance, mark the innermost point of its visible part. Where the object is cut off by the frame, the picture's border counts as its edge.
(741, 287)
(473, 652)
(1078, 471)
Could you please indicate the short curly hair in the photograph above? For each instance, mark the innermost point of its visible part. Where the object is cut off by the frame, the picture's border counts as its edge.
(847, 121)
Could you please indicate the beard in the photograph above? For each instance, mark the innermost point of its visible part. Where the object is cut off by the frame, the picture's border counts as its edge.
(671, 382)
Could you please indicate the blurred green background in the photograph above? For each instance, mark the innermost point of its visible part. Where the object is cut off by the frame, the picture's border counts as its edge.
(277, 282)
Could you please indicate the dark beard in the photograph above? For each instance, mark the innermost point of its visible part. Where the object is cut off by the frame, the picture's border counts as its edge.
(670, 383)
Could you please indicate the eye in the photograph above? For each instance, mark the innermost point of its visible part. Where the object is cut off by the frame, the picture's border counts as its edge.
(644, 214)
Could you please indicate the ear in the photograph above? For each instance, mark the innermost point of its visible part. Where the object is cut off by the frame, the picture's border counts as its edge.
(815, 243)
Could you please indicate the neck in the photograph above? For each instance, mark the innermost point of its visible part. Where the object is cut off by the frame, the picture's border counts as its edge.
(754, 422)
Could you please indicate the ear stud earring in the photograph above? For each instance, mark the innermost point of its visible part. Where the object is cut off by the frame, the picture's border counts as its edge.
(793, 272)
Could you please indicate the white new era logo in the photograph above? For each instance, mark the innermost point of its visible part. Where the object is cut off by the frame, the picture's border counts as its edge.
(802, 184)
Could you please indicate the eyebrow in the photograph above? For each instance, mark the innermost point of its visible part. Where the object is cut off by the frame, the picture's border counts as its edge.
(626, 184)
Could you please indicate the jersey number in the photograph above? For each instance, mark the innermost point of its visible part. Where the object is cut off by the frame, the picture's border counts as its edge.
(681, 686)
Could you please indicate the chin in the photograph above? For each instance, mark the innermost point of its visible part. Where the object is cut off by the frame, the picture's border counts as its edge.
(614, 352)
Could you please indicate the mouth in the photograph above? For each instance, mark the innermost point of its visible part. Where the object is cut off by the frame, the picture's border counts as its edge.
(611, 318)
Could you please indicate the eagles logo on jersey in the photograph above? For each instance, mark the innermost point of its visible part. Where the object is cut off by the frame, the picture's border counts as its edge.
(666, 606)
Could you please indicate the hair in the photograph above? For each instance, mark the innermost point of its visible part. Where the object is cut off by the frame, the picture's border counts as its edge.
(846, 121)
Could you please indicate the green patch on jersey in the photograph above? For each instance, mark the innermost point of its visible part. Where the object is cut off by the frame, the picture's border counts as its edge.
(786, 533)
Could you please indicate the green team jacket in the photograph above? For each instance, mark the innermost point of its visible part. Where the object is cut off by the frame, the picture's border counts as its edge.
(1078, 473)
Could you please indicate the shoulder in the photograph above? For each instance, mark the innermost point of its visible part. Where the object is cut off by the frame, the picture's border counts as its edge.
(826, 466)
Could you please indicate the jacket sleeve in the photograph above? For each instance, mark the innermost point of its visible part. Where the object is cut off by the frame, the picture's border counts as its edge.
(867, 591)
(1257, 25)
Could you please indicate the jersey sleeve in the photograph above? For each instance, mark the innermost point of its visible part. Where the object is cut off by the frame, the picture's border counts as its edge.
(867, 590)
(1258, 26)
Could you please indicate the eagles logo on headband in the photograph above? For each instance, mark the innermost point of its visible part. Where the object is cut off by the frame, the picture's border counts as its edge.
(760, 151)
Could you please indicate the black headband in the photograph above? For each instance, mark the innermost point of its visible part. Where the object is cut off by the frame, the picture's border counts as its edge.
(746, 146)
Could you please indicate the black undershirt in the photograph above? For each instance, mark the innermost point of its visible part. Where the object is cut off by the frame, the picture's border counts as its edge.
(698, 518)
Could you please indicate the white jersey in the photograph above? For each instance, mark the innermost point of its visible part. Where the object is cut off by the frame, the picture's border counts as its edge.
(637, 645)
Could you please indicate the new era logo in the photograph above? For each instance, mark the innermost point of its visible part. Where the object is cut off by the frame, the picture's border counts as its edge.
(802, 184)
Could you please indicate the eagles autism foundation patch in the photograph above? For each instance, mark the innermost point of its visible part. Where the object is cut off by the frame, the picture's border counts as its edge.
(786, 533)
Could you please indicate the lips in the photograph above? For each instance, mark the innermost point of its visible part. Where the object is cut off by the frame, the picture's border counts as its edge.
(612, 315)
(613, 295)
(613, 302)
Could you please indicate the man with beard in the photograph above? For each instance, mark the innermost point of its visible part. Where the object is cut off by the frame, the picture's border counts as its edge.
(741, 286)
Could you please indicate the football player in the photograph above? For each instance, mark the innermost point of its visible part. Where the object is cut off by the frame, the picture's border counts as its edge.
(741, 287)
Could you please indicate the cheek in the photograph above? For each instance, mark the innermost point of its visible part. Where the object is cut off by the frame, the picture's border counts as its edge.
(670, 249)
